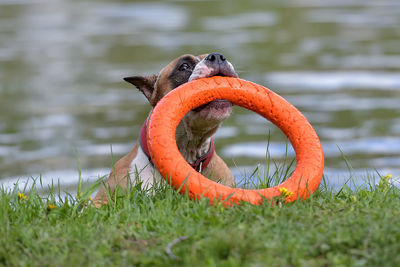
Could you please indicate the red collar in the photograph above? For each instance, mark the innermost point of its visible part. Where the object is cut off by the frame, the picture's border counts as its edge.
(199, 165)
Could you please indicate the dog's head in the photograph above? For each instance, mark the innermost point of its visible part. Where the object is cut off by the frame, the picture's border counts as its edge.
(181, 70)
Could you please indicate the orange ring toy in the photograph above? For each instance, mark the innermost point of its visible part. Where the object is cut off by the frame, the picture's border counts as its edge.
(173, 167)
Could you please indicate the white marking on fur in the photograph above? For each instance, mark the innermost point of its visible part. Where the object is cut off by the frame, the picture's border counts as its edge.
(200, 71)
(142, 169)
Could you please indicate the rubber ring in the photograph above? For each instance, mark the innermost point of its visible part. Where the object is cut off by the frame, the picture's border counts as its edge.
(172, 166)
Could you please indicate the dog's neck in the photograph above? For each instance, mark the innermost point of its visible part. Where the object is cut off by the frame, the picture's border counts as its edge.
(192, 143)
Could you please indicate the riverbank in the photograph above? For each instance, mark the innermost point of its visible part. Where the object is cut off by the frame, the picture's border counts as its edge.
(349, 227)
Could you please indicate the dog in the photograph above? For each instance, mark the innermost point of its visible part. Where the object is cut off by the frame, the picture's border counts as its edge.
(194, 132)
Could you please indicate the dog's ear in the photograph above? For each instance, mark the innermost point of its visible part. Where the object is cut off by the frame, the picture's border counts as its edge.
(144, 83)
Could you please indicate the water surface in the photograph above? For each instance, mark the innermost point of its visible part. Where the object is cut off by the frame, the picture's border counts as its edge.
(63, 103)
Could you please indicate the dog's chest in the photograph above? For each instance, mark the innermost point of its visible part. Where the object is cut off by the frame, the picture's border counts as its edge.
(143, 171)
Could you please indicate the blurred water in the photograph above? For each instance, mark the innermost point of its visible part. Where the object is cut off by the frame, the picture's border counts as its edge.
(62, 99)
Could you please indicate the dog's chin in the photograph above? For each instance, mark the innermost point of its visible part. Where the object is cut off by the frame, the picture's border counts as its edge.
(216, 110)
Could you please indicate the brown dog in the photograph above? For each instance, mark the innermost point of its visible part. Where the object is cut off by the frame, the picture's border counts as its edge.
(193, 135)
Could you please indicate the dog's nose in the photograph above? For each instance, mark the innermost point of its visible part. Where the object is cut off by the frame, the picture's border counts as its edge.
(215, 58)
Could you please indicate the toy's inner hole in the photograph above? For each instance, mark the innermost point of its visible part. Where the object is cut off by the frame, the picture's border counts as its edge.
(257, 152)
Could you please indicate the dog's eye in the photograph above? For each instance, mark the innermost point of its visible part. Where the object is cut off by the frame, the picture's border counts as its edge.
(184, 67)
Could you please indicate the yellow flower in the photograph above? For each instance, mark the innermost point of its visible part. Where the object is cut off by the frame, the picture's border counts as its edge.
(384, 182)
(22, 196)
(285, 192)
(51, 207)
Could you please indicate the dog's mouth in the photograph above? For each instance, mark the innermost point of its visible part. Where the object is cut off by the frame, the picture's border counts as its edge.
(217, 104)
(217, 109)
(222, 75)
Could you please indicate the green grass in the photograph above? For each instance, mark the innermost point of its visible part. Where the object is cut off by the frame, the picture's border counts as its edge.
(359, 227)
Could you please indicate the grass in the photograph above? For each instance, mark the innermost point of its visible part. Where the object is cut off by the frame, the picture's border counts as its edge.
(349, 227)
